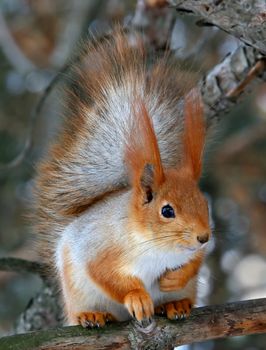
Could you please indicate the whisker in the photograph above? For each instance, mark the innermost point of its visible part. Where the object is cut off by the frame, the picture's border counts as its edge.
(161, 241)
(139, 222)
(154, 239)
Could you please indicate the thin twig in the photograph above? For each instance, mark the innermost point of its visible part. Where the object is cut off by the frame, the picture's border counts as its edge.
(253, 73)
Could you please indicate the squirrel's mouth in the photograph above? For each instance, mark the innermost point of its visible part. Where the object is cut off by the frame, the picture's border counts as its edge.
(190, 249)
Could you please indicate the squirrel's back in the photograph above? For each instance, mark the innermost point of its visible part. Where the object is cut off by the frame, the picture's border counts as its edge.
(87, 161)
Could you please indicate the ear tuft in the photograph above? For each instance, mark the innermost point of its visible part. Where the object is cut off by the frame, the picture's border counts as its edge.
(194, 132)
(142, 153)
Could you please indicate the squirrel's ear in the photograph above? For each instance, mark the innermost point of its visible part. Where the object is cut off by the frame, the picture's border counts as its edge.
(147, 182)
(194, 133)
(147, 177)
(142, 153)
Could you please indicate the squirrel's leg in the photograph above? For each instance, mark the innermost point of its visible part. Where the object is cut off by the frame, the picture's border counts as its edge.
(107, 272)
(75, 297)
(181, 304)
(174, 280)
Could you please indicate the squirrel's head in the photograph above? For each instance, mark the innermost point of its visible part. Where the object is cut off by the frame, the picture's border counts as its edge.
(167, 205)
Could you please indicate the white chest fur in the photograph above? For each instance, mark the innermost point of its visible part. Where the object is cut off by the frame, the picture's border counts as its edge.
(151, 265)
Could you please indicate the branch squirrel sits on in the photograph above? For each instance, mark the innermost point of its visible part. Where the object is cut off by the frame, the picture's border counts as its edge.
(119, 212)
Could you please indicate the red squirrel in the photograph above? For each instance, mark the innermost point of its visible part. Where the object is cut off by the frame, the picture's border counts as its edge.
(118, 208)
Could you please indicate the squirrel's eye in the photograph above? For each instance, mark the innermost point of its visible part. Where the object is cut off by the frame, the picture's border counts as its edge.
(168, 212)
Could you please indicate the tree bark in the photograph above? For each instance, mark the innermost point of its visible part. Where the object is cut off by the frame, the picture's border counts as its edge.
(244, 19)
(225, 84)
(205, 323)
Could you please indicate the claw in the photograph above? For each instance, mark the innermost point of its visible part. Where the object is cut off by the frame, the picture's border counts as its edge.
(89, 324)
(94, 319)
(146, 322)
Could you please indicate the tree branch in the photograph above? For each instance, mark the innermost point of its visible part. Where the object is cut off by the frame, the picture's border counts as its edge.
(246, 19)
(225, 84)
(21, 265)
(218, 321)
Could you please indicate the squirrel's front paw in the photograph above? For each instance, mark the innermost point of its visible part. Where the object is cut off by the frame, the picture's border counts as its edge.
(139, 304)
(173, 281)
(94, 319)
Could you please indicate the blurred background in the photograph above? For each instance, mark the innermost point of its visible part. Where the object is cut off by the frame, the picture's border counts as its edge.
(37, 38)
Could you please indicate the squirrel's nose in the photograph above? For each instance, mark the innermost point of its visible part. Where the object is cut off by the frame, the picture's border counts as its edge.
(203, 238)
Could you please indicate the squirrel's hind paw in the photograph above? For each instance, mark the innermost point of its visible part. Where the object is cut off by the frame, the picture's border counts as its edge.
(175, 310)
(94, 319)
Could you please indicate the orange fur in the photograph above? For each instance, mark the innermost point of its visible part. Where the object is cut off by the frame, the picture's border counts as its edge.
(194, 132)
(190, 206)
(178, 279)
(105, 271)
(111, 280)
(142, 147)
